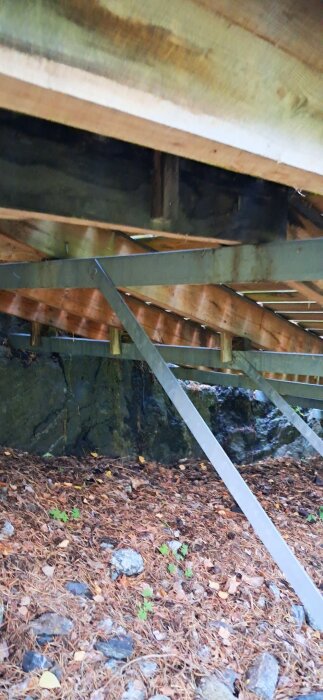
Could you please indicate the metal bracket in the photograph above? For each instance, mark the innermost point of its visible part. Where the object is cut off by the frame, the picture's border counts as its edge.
(263, 526)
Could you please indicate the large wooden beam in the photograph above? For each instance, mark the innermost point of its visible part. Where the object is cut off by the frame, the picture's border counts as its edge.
(86, 313)
(217, 307)
(124, 186)
(223, 84)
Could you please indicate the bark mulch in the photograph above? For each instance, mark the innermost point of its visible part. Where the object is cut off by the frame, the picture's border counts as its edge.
(212, 610)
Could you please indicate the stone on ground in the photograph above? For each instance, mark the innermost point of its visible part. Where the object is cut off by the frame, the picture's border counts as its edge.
(51, 624)
(135, 691)
(128, 562)
(33, 661)
(298, 613)
(78, 588)
(159, 697)
(148, 668)
(116, 647)
(263, 676)
(309, 696)
(7, 530)
(211, 688)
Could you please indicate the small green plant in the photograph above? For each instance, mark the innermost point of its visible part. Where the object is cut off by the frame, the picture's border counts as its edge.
(313, 517)
(179, 556)
(62, 516)
(146, 606)
(58, 514)
(164, 549)
(299, 411)
(184, 550)
(75, 513)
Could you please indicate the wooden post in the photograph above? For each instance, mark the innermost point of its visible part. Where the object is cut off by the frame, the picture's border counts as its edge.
(35, 337)
(165, 194)
(115, 338)
(226, 347)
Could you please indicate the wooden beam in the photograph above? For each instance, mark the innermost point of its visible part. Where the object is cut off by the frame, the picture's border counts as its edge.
(91, 306)
(16, 305)
(219, 308)
(309, 290)
(165, 85)
(123, 186)
(223, 310)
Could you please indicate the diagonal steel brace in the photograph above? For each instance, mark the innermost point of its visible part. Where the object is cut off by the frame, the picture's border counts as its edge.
(263, 526)
(291, 415)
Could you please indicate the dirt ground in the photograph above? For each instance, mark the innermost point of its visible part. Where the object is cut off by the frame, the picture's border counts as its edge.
(212, 609)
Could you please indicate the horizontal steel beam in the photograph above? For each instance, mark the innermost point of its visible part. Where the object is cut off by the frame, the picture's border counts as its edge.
(296, 393)
(289, 260)
(271, 362)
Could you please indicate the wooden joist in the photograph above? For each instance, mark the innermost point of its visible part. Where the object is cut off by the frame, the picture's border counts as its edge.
(217, 307)
(196, 93)
(80, 310)
(124, 186)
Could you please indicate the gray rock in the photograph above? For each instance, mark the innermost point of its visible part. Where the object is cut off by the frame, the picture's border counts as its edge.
(116, 647)
(174, 545)
(298, 614)
(43, 639)
(204, 652)
(313, 622)
(263, 676)
(148, 668)
(7, 530)
(112, 664)
(309, 696)
(105, 625)
(4, 651)
(78, 588)
(51, 624)
(127, 561)
(159, 697)
(262, 602)
(135, 691)
(229, 677)
(1, 612)
(33, 661)
(274, 590)
(211, 688)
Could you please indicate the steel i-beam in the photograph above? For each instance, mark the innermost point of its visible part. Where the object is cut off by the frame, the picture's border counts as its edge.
(263, 526)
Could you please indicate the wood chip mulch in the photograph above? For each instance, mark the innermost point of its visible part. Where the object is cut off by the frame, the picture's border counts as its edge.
(224, 576)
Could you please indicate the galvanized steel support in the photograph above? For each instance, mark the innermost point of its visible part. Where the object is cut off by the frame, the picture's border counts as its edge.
(263, 526)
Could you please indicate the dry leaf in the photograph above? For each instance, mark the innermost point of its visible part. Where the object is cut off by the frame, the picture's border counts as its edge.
(224, 633)
(203, 467)
(253, 581)
(223, 595)
(48, 570)
(7, 453)
(98, 598)
(79, 656)
(214, 585)
(49, 680)
(23, 611)
(25, 601)
(141, 460)
(232, 585)
(182, 467)
(98, 694)
(94, 454)
(63, 544)
(108, 474)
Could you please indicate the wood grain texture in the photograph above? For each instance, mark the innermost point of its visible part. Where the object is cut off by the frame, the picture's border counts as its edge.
(223, 82)
(217, 307)
(69, 173)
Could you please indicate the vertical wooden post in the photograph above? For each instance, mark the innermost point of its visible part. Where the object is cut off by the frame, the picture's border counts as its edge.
(165, 191)
(115, 342)
(226, 347)
(35, 336)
